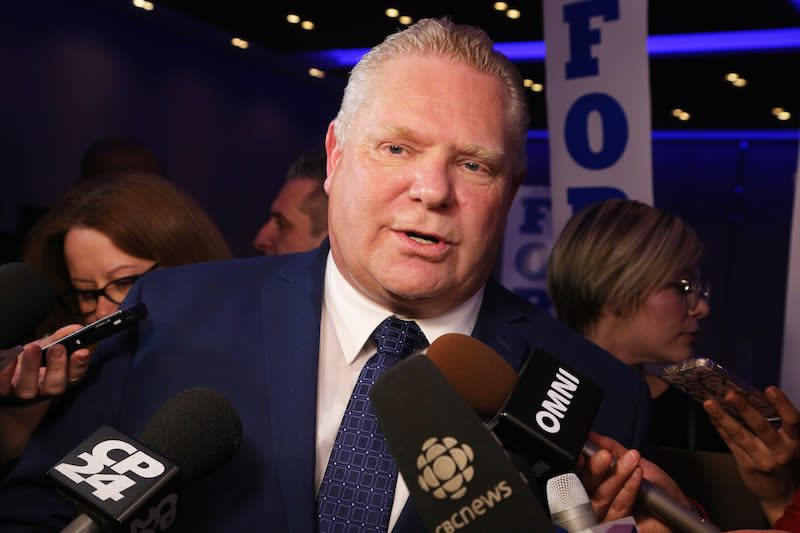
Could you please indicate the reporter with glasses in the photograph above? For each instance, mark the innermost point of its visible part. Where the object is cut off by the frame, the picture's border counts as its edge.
(627, 276)
(93, 245)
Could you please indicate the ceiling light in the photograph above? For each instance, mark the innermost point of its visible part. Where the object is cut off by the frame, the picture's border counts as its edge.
(239, 43)
(784, 115)
(684, 116)
(307, 25)
(731, 76)
(537, 87)
(739, 82)
(677, 112)
(317, 73)
(392, 13)
(405, 19)
(776, 110)
(292, 18)
(527, 82)
(143, 4)
(513, 13)
(500, 6)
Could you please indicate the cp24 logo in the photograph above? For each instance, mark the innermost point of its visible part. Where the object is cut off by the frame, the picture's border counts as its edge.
(111, 485)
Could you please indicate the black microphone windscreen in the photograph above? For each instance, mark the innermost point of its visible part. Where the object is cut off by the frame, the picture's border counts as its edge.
(198, 429)
(118, 483)
(26, 298)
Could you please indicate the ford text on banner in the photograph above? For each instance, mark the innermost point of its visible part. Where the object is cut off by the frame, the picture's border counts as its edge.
(526, 245)
(598, 103)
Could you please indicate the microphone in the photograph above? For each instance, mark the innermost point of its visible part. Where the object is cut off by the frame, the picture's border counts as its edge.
(663, 506)
(572, 511)
(546, 415)
(26, 298)
(457, 473)
(120, 484)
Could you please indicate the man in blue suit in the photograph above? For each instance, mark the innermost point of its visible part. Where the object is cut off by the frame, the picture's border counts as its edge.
(424, 159)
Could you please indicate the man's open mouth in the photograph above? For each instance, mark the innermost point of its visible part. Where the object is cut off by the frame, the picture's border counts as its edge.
(422, 239)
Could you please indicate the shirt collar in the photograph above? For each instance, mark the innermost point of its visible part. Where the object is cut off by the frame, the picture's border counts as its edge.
(355, 317)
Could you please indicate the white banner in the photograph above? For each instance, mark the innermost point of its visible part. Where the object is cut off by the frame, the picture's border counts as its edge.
(598, 103)
(527, 243)
(790, 364)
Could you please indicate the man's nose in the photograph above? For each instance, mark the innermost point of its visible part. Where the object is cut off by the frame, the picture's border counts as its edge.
(432, 184)
(264, 238)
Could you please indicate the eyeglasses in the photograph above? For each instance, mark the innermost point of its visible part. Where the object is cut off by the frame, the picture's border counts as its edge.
(693, 289)
(84, 301)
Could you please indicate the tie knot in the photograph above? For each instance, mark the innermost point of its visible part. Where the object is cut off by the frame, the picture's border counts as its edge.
(398, 337)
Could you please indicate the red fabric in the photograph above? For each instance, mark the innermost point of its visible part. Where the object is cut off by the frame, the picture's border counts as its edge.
(790, 521)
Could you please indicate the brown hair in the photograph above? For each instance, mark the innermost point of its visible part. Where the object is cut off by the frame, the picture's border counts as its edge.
(144, 215)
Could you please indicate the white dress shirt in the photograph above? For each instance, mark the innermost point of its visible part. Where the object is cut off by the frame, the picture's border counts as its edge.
(348, 320)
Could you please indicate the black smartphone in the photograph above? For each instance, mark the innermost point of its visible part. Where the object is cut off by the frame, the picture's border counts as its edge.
(100, 329)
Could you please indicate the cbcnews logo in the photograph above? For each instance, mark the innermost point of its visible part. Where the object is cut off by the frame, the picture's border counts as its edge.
(445, 467)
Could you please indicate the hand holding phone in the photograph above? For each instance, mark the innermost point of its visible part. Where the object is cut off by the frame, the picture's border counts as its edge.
(99, 329)
(703, 379)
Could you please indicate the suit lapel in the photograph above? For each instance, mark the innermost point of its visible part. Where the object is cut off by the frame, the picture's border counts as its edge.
(495, 325)
(292, 305)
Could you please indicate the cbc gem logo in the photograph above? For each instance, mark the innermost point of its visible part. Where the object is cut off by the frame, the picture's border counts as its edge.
(445, 467)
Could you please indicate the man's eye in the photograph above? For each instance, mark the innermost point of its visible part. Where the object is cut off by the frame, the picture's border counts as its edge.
(396, 149)
(472, 166)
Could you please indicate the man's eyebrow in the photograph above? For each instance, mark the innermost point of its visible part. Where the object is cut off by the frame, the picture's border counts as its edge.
(280, 218)
(494, 156)
(396, 130)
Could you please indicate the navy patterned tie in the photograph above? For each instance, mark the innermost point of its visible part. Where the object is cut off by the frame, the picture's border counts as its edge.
(358, 487)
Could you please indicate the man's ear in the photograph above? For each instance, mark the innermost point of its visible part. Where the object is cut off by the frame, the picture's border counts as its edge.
(334, 151)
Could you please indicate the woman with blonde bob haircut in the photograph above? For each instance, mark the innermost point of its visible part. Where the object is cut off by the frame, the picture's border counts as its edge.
(627, 276)
(612, 256)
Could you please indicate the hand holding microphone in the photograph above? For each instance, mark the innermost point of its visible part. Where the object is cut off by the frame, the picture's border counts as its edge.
(572, 511)
(621, 483)
(546, 415)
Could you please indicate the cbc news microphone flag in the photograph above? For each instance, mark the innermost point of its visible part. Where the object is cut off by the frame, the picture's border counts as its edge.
(598, 112)
(790, 365)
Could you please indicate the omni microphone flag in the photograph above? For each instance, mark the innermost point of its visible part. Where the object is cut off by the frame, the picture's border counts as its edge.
(547, 417)
(458, 475)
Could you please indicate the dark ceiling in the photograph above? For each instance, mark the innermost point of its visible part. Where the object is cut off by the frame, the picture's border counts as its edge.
(694, 83)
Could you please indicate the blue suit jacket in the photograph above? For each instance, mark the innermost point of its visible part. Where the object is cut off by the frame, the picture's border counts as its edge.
(249, 329)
